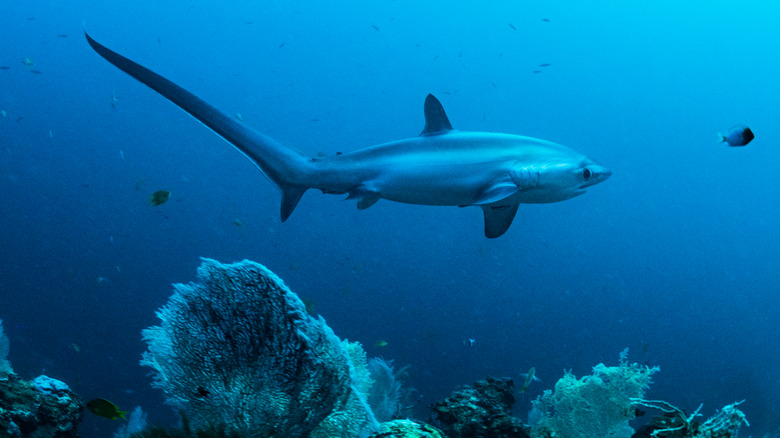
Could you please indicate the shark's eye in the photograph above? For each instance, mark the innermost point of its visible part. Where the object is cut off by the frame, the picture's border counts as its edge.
(586, 174)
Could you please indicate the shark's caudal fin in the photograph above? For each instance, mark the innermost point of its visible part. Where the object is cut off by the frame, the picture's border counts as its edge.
(282, 165)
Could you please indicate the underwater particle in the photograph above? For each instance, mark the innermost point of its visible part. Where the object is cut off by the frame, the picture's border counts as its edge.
(739, 135)
(104, 408)
(62, 35)
(37, 72)
(380, 344)
(512, 26)
(238, 222)
(469, 342)
(239, 117)
(75, 347)
(375, 28)
(159, 197)
(281, 45)
(3, 113)
(114, 100)
(28, 62)
(545, 20)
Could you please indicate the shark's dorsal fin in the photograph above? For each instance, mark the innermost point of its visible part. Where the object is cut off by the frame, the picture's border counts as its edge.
(436, 121)
(498, 218)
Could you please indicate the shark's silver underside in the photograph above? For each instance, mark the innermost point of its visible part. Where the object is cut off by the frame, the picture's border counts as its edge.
(441, 166)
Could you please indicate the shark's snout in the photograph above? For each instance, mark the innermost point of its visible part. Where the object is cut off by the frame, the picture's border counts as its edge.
(595, 174)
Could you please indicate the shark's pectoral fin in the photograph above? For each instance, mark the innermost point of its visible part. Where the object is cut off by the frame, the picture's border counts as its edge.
(498, 218)
(496, 192)
(290, 197)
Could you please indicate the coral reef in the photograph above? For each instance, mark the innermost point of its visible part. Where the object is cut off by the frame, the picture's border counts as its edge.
(5, 365)
(406, 429)
(214, 431)
(136, 422)
(599, 405)
(674, 423)
(238, 348)
(46, 410)
(480, 411)
(389, 399)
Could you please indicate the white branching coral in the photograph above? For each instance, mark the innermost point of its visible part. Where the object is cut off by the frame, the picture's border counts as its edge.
(238, 348)
(595, 406)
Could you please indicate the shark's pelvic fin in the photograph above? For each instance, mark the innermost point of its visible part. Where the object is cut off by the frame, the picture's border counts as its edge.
(498, 218)
(436, 121)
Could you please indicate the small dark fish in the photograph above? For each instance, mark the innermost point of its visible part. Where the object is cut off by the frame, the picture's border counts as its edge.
(375, 28)
(282, 45)
(512, 26)
(460, 55)
(202, 392)
(739, 135)
(638, 412)
(159, 197)
(19, 119)
(62, 35)
(530, 377)
(159, 42)
(5, 67)
(469, 342)
(545, 20)
(250, 22)
(544, 65)
(537, 71)
(105, 409)
(37, 72)
(31, 19)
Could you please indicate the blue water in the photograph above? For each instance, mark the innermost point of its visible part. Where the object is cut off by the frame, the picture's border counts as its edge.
(676, 256)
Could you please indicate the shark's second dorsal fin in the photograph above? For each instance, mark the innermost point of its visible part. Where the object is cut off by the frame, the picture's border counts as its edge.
(436, 121)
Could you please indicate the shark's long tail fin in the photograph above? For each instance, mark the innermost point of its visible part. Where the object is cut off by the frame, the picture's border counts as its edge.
(285, 167)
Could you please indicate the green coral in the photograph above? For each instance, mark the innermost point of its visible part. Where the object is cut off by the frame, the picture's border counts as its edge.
(595, 406)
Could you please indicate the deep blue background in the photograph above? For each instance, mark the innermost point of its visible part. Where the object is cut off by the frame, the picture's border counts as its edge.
(675, 257)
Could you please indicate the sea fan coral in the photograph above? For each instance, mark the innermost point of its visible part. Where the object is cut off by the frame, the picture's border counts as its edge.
(238, 348)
